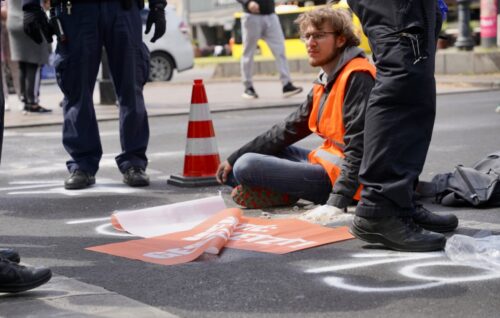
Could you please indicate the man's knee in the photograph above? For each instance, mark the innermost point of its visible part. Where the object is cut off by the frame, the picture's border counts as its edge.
(245, 167)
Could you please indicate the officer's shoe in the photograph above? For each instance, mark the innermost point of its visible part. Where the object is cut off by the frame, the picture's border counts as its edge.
(79, 180)
(136, 177)
(289, 90)
(10, 254)
(434, 222)
(397, 233)
(15, 278)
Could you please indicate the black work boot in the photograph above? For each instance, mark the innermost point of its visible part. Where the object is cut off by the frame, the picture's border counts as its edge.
(10, 254)
(15, 278)
(79, 180)
(434, 222)
(136, 177)
(397, 233)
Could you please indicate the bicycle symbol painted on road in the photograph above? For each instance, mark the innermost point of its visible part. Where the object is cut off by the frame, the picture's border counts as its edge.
(420, 263)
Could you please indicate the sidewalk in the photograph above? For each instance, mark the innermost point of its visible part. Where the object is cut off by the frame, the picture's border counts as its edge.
(173, 98)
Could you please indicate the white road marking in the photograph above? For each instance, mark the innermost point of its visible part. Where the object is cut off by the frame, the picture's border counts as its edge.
(410, 271)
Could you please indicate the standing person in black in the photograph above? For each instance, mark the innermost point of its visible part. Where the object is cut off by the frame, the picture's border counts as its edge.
(398, 125)
(14, 277)
(88, 26)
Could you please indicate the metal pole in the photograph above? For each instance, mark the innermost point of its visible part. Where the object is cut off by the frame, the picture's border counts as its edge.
(106, 89)
(464, 39)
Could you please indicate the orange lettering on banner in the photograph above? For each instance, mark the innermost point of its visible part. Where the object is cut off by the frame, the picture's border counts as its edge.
(227, 228)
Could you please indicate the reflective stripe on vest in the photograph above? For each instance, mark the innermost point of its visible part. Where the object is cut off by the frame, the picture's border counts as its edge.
(330, 124)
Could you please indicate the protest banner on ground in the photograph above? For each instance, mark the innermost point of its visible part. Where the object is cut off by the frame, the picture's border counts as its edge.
(227, 228)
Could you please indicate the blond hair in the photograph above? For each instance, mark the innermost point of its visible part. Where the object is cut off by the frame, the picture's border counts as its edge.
(339, 19)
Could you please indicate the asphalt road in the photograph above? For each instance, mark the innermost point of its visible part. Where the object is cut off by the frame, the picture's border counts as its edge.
(51, 226)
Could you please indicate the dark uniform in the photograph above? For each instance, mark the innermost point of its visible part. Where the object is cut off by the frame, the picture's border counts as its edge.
(13, 277)
(88, 25)
(399, 122)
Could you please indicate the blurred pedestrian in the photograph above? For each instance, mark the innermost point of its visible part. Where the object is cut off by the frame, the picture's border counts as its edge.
(260, 21)
(83, 27)
(398, 125)
(31, 57)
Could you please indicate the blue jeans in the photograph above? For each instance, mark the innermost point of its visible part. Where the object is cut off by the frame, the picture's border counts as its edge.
(288, 172)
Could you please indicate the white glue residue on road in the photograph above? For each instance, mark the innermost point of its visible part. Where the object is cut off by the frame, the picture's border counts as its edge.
(104, 229)
(41, 187)
(419, 264)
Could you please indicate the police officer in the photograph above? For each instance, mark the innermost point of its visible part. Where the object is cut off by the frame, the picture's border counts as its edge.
(83, 27)
(398, 125)
(16, 278)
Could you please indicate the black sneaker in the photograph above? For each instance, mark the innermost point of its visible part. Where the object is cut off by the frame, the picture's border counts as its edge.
(10, 254)
(397, 233)
(250, 93)
(441, 223)
(290, 90)
(15, 278)
(35, 109)
(79, 180)
(136, 177)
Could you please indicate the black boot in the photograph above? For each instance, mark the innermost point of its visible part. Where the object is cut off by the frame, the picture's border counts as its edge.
(136, 177)
(434, 222)
(15, 278)
(397, 233)
(79, 180)
(10, 254)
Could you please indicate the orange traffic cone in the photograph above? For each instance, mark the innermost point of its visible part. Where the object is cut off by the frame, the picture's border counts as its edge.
(202, 157)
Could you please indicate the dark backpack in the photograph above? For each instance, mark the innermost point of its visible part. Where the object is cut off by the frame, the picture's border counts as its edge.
(478, 186)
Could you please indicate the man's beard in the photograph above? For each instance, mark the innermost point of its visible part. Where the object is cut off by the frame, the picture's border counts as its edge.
(326, 60)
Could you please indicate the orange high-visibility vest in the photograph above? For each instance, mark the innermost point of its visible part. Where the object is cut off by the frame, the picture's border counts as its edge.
(331, 125)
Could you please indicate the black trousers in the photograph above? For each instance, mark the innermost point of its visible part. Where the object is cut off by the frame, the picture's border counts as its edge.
(29, 82)
(401, 107)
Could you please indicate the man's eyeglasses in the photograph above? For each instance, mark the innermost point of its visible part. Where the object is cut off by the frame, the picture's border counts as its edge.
(316, 36)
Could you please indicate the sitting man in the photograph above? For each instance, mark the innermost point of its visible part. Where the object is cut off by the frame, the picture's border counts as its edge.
(269, 171)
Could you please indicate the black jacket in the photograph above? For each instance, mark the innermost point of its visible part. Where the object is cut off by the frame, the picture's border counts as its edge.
(296, 127)
(266, 6)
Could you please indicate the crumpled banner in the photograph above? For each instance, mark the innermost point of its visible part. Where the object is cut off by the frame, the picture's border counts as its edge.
(227, 228)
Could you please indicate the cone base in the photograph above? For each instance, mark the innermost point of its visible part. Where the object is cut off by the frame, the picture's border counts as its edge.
(192, 182)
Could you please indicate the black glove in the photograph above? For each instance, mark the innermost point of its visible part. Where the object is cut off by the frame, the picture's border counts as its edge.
(35, 22)
(157, 17)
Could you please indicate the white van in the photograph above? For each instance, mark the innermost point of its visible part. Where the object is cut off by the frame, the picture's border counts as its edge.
(172, 51)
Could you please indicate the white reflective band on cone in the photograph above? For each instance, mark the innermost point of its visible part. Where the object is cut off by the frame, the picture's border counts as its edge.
(201, 146)
(199, 112)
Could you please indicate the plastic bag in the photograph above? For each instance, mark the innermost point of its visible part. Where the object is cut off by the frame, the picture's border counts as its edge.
(483, 252)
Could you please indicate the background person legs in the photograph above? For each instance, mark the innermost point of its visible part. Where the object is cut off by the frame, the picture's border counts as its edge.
(251, 33)
(273, 35)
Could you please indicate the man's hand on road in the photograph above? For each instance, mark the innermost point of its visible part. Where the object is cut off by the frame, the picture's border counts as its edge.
(253, 7)
(156, 16)
(36, 23)
(223, 171)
